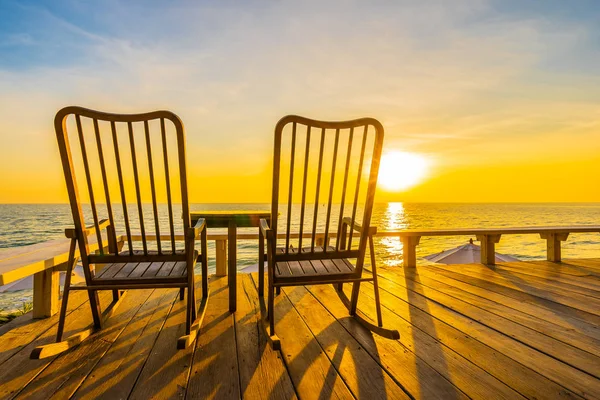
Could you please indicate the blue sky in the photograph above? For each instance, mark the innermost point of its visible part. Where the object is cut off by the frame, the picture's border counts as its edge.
(448, 79)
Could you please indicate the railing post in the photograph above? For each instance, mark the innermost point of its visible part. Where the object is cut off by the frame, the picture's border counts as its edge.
(221, 256)
(45, 293)
(319, 240)
(553, 247)
(409, 246)
(488, 248)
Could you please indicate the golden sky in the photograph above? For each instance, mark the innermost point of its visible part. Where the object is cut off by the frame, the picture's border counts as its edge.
(502, 99)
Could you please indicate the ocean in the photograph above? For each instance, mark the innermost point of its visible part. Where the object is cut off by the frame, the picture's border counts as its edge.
(25, 224)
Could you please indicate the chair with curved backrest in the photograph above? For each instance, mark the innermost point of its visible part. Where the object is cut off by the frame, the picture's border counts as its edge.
(117, 181)
(319, 171)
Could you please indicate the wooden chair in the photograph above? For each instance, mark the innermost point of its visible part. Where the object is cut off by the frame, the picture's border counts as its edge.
(329, 159)
(105, 147)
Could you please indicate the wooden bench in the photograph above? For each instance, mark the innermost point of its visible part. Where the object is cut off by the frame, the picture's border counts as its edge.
(489, 237)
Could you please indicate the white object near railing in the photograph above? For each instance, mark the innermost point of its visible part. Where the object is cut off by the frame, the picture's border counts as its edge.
(45, 260)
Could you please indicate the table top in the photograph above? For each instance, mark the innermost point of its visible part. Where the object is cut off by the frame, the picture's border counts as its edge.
(220, 219)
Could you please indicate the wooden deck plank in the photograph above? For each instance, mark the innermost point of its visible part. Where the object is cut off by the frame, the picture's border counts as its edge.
(478, 332)
(544, 291)
(561, 284)
(262, 372)
(559, 317)
(592, 266)
(540, 325)
(592, 262)
(565, 267)
(166, 371)
(312, 373)
(518, 294)
(23, 369)
(420, 363)
(23, 330)
(570, 378)
(116, 373)
(67, 371)
(518, 277)
(552, 272)
(214, 370)
(521, 377)
(362, 374)
(504, 323)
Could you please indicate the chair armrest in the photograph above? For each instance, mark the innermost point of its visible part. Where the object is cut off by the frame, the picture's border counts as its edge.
(358, 227)
(71, 233)
(264, 229)
(193, 232)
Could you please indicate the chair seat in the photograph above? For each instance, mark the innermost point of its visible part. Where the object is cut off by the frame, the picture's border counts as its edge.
(141, 272)
(327, 269)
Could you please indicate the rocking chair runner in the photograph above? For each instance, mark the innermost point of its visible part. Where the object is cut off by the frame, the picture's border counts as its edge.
(334, 184)
(116, 270)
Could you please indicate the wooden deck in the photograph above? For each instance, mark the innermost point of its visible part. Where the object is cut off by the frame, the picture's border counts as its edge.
(467, 331)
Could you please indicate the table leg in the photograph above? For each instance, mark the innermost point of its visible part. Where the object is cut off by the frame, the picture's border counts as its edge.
(232, 273)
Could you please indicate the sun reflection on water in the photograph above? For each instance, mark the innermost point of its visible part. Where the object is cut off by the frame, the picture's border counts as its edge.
(390, 249)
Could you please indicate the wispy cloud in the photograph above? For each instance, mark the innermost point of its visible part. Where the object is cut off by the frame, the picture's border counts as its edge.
(442, 77)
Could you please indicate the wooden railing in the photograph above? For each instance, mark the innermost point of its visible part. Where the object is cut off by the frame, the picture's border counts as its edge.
(488, 238)
(45, 260)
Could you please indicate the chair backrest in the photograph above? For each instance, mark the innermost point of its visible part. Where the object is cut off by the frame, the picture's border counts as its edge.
(318, 179)
(125, 162)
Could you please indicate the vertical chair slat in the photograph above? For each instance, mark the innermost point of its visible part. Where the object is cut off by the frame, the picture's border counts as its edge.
(302, 205)
(185, 209)
(121, 185)
(88, 178)
(152, 188)
(347, 167)
(358, 178)
(168, 181)
(137, 186)
(320, 167)
(111, 238)
(331, 186)
(289, 209)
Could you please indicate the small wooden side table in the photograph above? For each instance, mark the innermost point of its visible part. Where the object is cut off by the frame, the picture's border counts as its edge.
(233, 220)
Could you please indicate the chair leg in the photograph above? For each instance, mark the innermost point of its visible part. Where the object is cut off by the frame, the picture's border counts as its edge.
(354, 298)
(261, 264)
(271, 310)
(116, 295)
(65, 302)
(375, 282)
(95, 306)
(278, 290)
(181, 293)
(204, 260)
(189, 311)
(194, 308)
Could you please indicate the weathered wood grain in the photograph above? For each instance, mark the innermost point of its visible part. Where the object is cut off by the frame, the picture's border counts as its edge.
(262, 371)
(214, 370)
(115, 374)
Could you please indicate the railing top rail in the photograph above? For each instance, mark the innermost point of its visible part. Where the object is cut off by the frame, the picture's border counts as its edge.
(492, 231)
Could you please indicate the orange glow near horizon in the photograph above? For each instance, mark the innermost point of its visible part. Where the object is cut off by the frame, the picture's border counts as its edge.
(500, 109)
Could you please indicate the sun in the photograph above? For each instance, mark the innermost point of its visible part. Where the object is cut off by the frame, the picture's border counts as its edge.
(400, 170)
